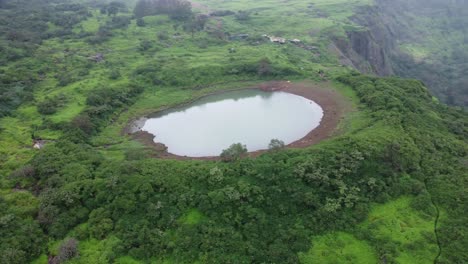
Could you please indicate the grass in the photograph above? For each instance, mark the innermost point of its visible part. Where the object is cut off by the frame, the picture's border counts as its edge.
(437, 39)
(112, 143)
(122, 52)
(411, 230)
(192, 217)
(339, 247)
(127, 260)
(393, 224)
(419, 53)
(41, 260)
(93, 251)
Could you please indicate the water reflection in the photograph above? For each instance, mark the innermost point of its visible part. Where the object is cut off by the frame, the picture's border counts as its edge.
(251, 117)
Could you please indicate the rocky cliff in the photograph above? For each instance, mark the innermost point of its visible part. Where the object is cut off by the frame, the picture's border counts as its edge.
(438, 29)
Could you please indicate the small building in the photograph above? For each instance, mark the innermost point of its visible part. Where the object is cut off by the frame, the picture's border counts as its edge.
(295, 41)
(39, 143)
(278, 40)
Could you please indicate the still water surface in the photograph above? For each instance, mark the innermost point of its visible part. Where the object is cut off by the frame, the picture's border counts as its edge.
(250, 117)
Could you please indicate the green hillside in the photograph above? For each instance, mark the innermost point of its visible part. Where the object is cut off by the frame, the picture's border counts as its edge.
(388, 187)
(426, 40)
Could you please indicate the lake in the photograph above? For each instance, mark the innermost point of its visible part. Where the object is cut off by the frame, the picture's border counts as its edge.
(251, 117)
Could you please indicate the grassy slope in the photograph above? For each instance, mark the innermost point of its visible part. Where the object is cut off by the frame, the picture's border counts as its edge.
(299, 19)
(121, 51)
(409, 231)
(436, 41)
(339, 248)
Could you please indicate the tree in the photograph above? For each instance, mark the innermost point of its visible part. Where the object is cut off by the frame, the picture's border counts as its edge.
(112, 10)
(276, 144)
(114, 74)
(140, 22)
(100, 223)
(141, 8)
(176, 9)
(68, 250)
(243, 15)
(196, 24)
(145, 45)
(181, 10)
(200, 21)
(103, 10)
(115, 7)
(21, 238)
(264, 67)
(83, 123)
(234, 152)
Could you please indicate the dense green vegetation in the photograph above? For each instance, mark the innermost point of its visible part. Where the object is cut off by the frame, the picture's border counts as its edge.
(389, 188)
(428, 40)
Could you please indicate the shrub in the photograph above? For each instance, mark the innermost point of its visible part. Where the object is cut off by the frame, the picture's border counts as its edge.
(103, 34)
(83, 123)
(145, 45)
(25, 172)
(276, 144)
(51, 104)
(65, 79)
(264, 67)
(176, 9)
(221, 13)
(68, 250)
(234, 152)
(163, 35)
(119, 22)
(243, 15)
(114, 75)
(140, 22)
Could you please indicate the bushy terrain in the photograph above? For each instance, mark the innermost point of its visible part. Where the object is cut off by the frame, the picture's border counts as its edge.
(389, 188)
(426, 40)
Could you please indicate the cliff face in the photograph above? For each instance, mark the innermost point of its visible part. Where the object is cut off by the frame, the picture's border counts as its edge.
(436, 32)
(363, 51)
(371, 48)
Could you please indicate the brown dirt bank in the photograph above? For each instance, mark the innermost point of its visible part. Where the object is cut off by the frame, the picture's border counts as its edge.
(334, 107)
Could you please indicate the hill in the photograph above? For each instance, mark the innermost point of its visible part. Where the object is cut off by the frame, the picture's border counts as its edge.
(425, 40)
(389, 187)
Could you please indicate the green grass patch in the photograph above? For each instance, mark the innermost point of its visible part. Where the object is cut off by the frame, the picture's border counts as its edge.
(94, 251)
(192, 217)
(394, 229)
(339, 247)
(410, 231)
(127, 260)
(42, 259)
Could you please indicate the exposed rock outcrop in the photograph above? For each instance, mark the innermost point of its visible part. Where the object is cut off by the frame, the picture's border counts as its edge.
(370, 49)
(362, 51)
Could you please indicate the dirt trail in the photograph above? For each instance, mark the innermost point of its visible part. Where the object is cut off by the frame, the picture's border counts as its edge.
(333, 104)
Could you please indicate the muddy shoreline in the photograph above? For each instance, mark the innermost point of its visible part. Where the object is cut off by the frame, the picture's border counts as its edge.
(333, 105)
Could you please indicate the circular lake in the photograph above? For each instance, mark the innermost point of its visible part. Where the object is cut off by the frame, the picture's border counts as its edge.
(252, 117)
